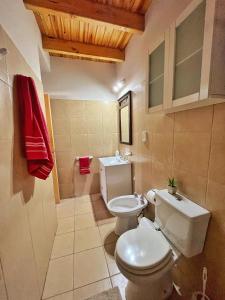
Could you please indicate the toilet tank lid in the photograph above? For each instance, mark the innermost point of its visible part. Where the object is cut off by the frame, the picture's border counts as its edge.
(187, 207)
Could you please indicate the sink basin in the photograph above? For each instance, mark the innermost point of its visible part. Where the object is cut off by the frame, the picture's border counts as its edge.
(112, 161)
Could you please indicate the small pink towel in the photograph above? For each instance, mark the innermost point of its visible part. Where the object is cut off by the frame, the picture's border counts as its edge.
(84, 165)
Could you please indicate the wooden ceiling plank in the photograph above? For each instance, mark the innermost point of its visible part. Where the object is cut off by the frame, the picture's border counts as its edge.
(63, 47)
(121, 19)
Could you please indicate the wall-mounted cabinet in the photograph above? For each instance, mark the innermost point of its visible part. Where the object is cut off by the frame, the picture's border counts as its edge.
(194, 61)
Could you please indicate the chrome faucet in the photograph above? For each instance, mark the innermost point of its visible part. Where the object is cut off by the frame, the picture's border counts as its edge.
(141, 197)
(136, 195)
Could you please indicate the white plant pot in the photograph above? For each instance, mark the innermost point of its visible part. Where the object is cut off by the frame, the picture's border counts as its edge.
(172, 189)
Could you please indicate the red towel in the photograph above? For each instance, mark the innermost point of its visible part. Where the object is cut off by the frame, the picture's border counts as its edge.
(34, 129)
(84, 165)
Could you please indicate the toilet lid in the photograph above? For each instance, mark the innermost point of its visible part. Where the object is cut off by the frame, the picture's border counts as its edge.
(142, 248)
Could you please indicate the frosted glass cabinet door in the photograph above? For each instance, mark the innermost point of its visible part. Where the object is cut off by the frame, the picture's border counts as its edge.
(186, 49)
(156, 76)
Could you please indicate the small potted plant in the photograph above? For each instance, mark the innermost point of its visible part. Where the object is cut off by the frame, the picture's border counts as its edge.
(172, 186)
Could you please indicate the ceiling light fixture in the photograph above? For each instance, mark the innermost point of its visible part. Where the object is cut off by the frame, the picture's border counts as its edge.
(119, 85)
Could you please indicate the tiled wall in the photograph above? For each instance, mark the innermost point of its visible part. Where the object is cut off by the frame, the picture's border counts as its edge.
(27, 208)
(189, 145)
(82, 128)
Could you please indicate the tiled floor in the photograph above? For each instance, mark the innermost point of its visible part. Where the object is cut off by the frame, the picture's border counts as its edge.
(82, 262)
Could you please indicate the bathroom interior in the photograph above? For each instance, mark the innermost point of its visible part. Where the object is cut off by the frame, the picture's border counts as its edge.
(112, 149)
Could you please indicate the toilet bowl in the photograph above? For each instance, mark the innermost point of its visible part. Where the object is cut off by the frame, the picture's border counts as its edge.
(145, 258)
(127, 209)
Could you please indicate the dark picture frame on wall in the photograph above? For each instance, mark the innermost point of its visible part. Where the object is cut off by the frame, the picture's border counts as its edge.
(125, 118)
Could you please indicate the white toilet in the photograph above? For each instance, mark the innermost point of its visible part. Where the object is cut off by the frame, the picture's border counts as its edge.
(146, 255)
(127, 209)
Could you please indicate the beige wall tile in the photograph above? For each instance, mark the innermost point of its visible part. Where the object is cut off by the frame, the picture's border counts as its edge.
(160, 174)
(162, 148)
(59, 109)
(193, 186)
(62, 142)
(66, 190)
(160, 123)
(95, 144)
(94, 125)
(218, 119)
(80, 145)
(93, 108)
(86, 184)
(65, 175)
(190, 148)
(61, 126)
(75, 108)
(6, 112)
(194, 120)
(78, 126)
(65, 159)
(217, 161)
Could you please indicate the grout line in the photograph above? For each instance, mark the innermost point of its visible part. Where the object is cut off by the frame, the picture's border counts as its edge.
(73, 261)
(108, 277)
(172, 167)
(55, 295)
(55, 258)
(62, 233)
(210, 152)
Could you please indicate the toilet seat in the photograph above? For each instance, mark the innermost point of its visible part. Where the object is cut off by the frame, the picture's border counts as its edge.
(145, 272)
(143, 251)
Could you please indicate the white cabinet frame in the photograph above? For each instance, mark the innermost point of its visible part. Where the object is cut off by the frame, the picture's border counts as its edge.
(163, 38)
(206, 55)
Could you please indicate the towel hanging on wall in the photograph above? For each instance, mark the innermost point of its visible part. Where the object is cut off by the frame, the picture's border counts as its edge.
(34, 129)
(84, 165)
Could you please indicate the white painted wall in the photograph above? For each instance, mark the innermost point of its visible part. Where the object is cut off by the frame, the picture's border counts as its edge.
(160, 15)
(79, 79)
(21, 26)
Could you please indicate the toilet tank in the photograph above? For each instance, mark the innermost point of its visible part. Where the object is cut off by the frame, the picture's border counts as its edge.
(183, 222)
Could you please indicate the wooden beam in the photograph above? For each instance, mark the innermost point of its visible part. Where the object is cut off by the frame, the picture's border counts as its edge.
(65, 47)
(121, 19)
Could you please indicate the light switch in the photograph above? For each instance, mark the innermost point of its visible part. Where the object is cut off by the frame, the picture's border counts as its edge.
(144, 136)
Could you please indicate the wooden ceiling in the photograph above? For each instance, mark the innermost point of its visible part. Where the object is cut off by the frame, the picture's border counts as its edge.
(89, 29)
